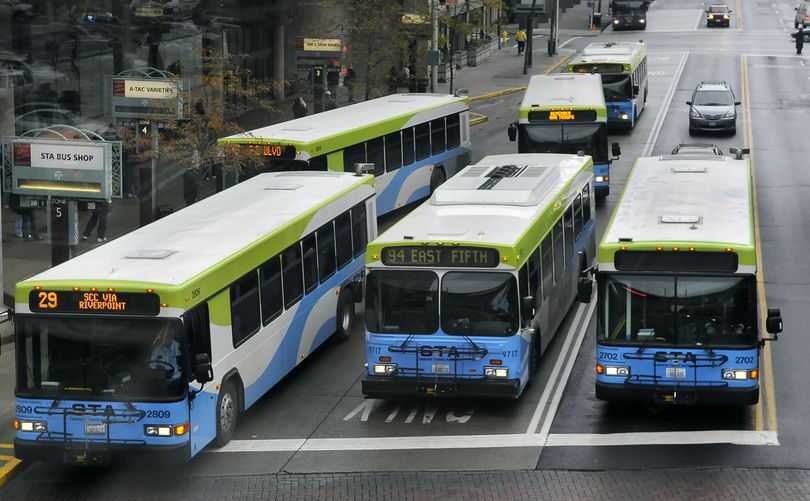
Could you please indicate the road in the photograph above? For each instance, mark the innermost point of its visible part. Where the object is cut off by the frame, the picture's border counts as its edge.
(317, 421)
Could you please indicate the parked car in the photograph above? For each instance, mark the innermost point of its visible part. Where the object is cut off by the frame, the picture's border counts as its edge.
(712, 108)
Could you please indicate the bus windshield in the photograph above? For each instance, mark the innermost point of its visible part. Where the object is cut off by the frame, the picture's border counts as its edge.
(472, 303)
(617, 87)
(569, 138)
(678, 310)
(99, 358)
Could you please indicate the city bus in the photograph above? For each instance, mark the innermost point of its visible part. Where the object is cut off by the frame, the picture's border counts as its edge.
(623, 66)
(629, 14)
(415, 141)
(465, 293)
(677, 311)
(158, 340)
(564, 113)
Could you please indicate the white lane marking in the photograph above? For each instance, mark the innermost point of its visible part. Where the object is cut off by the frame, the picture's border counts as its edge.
(541, 405)
(430, 411)
(567, 42)
(572, 357)
(364, 406)
(412, 415)
(393, 414)
(452, 418)
(736, 437)
(659, 119)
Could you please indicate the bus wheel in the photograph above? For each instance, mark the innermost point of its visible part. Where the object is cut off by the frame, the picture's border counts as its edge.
(345, 315)
(227, 413)
(437, 178)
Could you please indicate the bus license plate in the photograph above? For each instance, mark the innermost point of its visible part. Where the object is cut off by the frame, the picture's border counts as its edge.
(676, 372)
(95, 428)
(441, 368)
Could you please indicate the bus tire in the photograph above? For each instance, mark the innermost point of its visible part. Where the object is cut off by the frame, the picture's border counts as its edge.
(345, 315)
(227, 413)
(437, 178)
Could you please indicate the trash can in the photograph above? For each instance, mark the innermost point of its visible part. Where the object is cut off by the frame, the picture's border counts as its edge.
(597, 19)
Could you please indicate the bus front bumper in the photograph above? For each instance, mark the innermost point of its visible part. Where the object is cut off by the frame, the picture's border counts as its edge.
(671, 395)
(392, 386)
(97, 453)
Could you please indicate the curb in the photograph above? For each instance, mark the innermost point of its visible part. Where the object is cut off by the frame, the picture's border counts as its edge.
(478, 119)
(490, 95)
(559, 63)
(11, 467)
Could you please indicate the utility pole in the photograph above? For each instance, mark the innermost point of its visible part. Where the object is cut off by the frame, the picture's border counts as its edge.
(434, 44)
(527, 53)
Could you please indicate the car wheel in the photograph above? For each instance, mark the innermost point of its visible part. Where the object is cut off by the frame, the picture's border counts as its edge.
(345, 315)
(227, 414)
(732, 131)
(691, 131)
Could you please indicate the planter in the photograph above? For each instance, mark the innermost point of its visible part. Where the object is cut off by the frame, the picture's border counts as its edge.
(478, 55)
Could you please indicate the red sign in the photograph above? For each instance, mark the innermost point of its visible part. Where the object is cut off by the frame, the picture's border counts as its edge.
(119, 88)
(22, 154)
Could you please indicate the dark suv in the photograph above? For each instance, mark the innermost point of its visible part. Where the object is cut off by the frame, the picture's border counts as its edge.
(718, 14)
(713, 108)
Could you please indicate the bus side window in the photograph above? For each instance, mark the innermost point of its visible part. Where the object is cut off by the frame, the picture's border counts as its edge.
(270, 289)
(422, 141)
(374, 152)
(359, 228)
(393, 151)
(292, 274)
(559, 249)
(355, 153)
(343, 239)
(534, 275)
(577, 216)
(310, 263)
(326, 250)
(453, 131)
(407, 146)
(437, 139)
(318, 163)
(548, 266)
(244, 308)
(586, 204)
(569, 233)
(198, 333)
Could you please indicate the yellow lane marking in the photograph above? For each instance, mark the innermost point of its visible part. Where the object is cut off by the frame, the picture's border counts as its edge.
(6, 446)
(559, 63)
(477, 118)
(8, 470)
(490, 95)
(739, 15)
(766, 376)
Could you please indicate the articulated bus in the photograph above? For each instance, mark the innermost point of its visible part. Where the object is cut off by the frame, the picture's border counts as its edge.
(465, 293)
(677, 285)
(156, 341)
(566, 114)
(623, 66)
(415, 141)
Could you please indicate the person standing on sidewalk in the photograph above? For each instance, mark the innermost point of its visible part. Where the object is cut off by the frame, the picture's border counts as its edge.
(99, 216)
(299, 108)
(520, 37)
(25, 216)
(349, 81)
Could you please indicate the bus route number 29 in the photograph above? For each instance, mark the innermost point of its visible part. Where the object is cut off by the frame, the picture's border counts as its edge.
(47, 300)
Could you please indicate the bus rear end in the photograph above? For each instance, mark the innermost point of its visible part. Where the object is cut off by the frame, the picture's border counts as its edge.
(443, 321)
(100, 373)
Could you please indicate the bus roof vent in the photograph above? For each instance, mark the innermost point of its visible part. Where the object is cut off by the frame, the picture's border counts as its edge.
(689, 170)
(684, 219)
(520, 185)
(283, 186)
(476, 171)
(534, 171)
(500, 172)
(151, 254)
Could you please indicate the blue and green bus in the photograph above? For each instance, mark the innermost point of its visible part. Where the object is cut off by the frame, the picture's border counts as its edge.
(465, 293)
(677, 312)
(415, 141)
(155, 342)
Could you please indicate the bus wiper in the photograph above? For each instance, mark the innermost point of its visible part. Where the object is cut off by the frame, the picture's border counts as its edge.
(475, 346)
(645, 343)
(407, 339)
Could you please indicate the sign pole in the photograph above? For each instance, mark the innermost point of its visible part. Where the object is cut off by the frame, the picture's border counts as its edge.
(153, 125)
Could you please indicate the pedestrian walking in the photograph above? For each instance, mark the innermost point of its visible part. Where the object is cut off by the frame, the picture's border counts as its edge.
(98, 218)
(191, 185)
(799, 36)
(520, 37)
(349, 81)
(329, 102)
(299, 108)
(25, 220)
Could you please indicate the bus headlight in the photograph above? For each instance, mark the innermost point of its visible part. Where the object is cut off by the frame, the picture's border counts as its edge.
(496, 371)
(616, 371)
(155, 430)
(615, 21)
(642, 21)
(28, 425)
(623, 116)
(385, 368)
(736, 374)
(599, 179)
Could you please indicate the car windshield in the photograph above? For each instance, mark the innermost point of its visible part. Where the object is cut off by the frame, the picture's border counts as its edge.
(713, 98)
(473, 303)
(617, 87)
(680, 310)
(568, 138)
(99, 358)
(718, 9)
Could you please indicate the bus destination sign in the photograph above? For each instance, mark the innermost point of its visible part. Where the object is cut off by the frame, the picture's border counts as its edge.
(108, 303)
(440, 257)
(562, 115)
(271, 151)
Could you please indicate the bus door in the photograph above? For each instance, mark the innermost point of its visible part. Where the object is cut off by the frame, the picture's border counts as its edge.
(202, 395)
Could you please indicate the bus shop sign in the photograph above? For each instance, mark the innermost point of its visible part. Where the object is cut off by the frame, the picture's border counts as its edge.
(59, 156)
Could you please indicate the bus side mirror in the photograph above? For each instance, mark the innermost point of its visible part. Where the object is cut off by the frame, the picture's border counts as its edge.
(737, 103)
(512, 132)
(615, 150)
(773, 324)
(203, 372)
(527, 306)
(584, 287)
(689, 103)
(635, 90)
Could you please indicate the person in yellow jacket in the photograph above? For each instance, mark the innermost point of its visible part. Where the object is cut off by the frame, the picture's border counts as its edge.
(520, 37)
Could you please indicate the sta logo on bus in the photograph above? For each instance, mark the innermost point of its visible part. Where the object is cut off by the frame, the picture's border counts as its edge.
(439, 351)
(97, 409)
